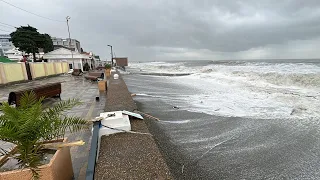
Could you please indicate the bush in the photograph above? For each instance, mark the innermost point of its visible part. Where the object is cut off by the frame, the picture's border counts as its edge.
(108, 66)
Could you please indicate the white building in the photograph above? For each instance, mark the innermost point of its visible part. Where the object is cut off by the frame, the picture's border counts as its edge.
(14, 54)
(5, 44)
(74, 59)
(60, 42)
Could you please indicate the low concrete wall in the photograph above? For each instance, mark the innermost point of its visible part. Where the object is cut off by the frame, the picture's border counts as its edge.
(15, 72)
(49, 69)
(58, 67)
(12, 72)
(65, 67)
(1, 70)
(37, 70)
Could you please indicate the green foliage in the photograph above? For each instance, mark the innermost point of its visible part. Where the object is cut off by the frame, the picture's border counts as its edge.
(108, 66)
(29, 40)
(47, 44)
(28, 125)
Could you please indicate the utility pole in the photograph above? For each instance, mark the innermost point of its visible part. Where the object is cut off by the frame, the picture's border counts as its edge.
(111, 56)
(67, 18)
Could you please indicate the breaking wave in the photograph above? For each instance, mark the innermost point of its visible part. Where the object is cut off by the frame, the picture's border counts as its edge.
(245, 89)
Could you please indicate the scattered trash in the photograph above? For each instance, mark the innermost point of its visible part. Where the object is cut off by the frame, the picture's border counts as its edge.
(132, 114)
(97, 98)
(147, 115)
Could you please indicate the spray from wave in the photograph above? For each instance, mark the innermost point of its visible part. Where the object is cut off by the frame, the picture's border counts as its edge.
(244, 89)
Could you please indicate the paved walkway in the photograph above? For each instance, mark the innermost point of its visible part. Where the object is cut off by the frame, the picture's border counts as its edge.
(128, 155)
(72, 87)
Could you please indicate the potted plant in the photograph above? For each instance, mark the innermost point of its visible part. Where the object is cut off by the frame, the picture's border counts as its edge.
(108, 70)
(32, 129)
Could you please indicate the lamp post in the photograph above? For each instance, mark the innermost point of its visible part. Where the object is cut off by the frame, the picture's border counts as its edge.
(67, 18)
(111, 55)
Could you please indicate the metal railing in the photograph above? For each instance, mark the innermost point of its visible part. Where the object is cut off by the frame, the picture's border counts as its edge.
(93, 152)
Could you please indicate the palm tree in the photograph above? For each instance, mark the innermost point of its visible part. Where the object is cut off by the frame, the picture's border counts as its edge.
(30, 125)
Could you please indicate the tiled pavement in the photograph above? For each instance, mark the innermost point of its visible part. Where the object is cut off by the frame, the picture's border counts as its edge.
(72, 87)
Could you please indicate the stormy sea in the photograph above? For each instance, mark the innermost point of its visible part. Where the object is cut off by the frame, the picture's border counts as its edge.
(254, 119)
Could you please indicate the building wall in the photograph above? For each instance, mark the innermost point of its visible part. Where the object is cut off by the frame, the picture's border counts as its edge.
(65, 42)
(5, 43)
(121, 61)
(11, 72)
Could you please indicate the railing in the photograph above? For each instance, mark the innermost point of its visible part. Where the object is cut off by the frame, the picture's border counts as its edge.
(93, 152)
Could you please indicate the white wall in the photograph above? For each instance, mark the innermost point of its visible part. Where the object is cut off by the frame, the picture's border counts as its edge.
(77, 62)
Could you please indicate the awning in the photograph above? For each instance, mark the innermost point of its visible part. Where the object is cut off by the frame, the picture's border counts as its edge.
(5, 60)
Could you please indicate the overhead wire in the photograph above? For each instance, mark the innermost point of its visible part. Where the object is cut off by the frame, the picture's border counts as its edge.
(5, 24)
(4, 30)
(30, 12)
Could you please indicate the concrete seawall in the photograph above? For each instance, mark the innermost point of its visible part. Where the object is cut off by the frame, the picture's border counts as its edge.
(128, 155)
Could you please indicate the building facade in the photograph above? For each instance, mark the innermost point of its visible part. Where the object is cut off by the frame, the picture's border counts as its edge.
(74, 44)
(75, 60)
(121, 61)
(5, 44)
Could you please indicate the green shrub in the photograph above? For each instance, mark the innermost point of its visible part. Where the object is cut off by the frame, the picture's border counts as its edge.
(108, 66)
(29, 125)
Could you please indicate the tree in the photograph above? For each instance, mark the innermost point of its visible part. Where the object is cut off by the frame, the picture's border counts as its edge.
(29, 40)
(48, 44)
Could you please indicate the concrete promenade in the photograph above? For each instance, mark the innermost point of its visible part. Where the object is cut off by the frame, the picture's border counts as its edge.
(72, 87)
(123, 155)
(128, 155)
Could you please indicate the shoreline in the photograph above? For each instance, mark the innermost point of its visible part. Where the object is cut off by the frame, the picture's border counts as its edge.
(181, 165)
(222, 147)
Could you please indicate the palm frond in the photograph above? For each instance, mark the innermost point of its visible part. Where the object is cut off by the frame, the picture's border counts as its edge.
(28, 99)
(26, 126)
(75, 124)
(62, 106)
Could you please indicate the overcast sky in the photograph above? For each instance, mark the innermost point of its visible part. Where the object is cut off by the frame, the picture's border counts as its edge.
(148, 30)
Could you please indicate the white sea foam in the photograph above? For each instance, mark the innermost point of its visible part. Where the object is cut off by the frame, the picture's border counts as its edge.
(257, 90)
(147, 95)
(176, 122)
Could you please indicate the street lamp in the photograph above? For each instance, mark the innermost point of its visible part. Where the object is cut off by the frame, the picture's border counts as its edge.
(67, 18)
(111, 55)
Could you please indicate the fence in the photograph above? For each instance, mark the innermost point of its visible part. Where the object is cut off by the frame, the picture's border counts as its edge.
(14, 72)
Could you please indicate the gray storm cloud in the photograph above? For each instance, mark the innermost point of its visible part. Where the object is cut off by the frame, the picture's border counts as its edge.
(165, 30)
